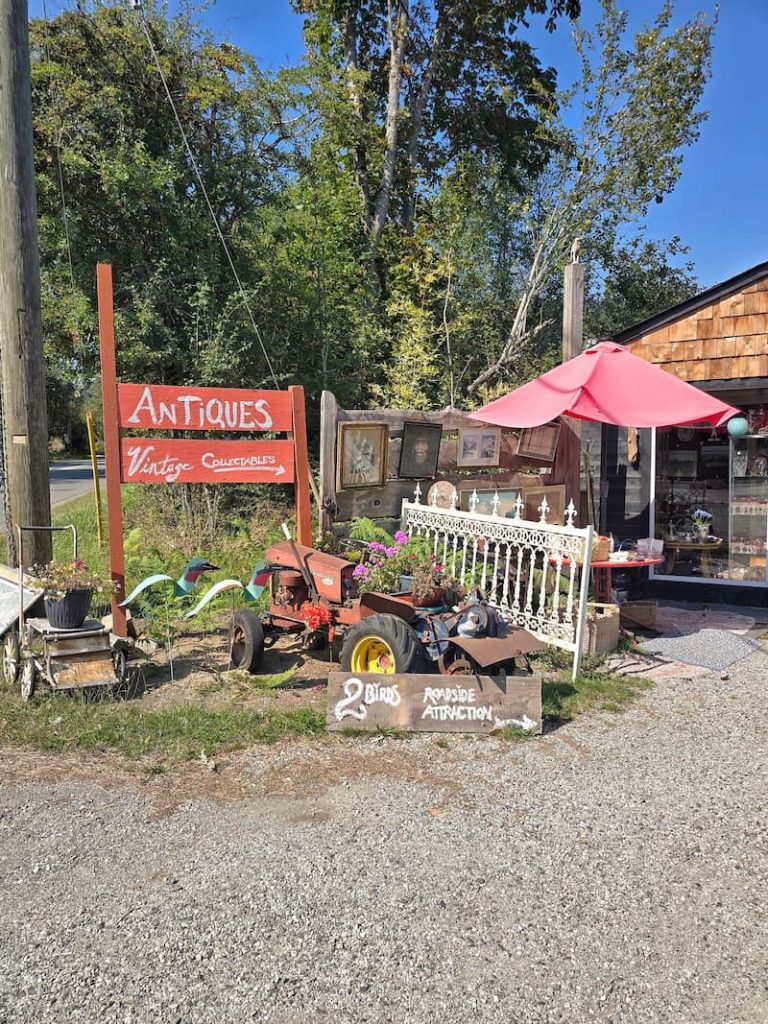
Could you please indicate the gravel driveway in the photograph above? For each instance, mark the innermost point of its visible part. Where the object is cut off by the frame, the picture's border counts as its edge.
(612, 871)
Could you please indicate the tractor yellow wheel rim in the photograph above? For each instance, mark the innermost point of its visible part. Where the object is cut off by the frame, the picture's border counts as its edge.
(372, 654)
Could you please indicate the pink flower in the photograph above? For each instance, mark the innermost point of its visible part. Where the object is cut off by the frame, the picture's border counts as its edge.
(401, 538)
(391, 552)
(360, 571)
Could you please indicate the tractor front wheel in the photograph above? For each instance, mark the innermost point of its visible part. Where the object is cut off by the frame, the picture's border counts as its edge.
(382, 643)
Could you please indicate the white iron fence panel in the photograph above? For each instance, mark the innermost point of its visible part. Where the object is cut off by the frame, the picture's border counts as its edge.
(535, 574)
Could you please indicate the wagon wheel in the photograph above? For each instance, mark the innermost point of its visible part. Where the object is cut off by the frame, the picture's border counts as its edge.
(11, 658)
(120, 665)
(28, 678)
(455, 663)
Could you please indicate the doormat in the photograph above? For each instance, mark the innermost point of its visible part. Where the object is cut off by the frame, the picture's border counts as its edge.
(715, 649)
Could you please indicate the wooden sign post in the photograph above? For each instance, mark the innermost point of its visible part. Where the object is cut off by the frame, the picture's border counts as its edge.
(171, 460)
(433, 703)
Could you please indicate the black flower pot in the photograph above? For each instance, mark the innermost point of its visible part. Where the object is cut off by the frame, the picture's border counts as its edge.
(70, 611)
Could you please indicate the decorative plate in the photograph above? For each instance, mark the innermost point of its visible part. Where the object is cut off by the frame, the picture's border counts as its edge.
(440, 494)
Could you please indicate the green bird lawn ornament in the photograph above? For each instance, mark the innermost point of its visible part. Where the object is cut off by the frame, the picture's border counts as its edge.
(252, 590)
(184, 585)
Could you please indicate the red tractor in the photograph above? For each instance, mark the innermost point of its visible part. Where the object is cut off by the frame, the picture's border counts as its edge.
(378, 632)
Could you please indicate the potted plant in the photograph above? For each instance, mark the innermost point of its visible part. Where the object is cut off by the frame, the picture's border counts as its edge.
(405, 566)
(67, 590)
(702, 523)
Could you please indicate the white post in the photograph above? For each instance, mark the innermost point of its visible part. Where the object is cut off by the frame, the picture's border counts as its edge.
(583, 598)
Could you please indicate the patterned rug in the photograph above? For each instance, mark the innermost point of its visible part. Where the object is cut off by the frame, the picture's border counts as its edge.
(714, 649)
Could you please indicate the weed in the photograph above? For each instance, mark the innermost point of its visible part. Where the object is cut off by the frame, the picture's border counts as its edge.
(562, 699)
(513, 732)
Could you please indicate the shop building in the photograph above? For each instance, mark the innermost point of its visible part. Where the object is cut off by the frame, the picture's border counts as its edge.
(703, 491)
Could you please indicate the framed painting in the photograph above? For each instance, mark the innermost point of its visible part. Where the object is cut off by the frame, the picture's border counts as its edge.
(478, 447)
(682, 462)
(539, 442)
(420, 450)
(507, 498)
(555, 496)
(361, 455)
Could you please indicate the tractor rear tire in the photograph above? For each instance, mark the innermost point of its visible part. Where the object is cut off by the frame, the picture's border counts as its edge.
(382, 643)
(247, 642)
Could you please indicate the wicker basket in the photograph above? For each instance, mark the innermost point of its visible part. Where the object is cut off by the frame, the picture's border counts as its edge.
(601, 548)
(601, 634)
(639, 613)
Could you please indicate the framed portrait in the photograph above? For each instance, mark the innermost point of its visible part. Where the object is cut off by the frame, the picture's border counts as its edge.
(361, 455)
(478, 447)
(539, 442)
(507, 498)
(420, 451)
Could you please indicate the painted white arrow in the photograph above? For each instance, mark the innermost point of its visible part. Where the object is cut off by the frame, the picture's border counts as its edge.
(520, 723)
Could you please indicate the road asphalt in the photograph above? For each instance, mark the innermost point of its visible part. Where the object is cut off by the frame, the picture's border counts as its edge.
(72, 478)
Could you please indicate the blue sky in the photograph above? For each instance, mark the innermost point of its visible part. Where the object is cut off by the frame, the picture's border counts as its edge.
(720, 205)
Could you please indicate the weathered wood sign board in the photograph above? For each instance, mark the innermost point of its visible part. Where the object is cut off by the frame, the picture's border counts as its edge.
(433, 703)
(182, 461)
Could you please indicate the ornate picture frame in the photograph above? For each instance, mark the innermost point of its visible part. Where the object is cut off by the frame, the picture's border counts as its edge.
(361, 455)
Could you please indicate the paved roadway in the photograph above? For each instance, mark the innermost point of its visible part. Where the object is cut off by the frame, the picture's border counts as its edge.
(71, 478)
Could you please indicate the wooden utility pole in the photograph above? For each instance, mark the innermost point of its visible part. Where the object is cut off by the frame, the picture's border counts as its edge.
(573, 306)
(25, 418)
(573, 340)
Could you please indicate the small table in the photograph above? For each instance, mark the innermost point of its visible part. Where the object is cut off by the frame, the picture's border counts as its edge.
(603, 570)
(704, 547)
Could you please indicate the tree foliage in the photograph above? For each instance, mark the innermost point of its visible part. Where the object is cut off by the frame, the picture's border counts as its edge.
(398, 207)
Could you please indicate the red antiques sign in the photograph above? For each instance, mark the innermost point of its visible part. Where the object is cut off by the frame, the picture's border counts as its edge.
(164, 461)
(159, 407)
(167, 461)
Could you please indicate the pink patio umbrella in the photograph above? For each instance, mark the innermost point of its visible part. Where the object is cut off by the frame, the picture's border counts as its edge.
(607, 384)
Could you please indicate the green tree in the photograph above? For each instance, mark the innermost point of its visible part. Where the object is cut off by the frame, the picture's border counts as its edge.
(418, 83)
(636, 106)
(108, 145)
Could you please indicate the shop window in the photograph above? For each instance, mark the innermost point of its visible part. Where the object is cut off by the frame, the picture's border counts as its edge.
(711, 502)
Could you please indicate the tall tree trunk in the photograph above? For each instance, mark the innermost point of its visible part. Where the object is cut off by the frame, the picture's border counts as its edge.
(349, 29)
(398, 38)
(417, 115)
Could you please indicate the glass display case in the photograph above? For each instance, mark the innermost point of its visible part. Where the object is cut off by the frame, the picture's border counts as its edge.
(748, 509)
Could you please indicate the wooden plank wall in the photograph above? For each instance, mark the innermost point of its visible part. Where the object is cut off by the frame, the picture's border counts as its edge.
(384, 503)
(726, 339)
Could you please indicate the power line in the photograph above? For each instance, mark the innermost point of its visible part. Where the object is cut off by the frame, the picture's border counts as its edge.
(136, 6)
(57, 108)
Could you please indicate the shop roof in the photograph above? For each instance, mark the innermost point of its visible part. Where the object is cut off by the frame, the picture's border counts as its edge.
(696, 302)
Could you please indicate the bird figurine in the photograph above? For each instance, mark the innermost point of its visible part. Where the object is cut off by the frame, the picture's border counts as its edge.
(184, 585)
(252, 590)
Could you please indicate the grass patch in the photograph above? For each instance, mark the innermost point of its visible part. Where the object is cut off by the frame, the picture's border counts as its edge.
(562, 699)
(66, 723)
(238, 685)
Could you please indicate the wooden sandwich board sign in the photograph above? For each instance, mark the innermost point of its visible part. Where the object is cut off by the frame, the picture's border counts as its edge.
(172, 460)
(433, 703)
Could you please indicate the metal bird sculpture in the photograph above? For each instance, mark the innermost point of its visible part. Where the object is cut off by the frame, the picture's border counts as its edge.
(184, 585)
(252, 590)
